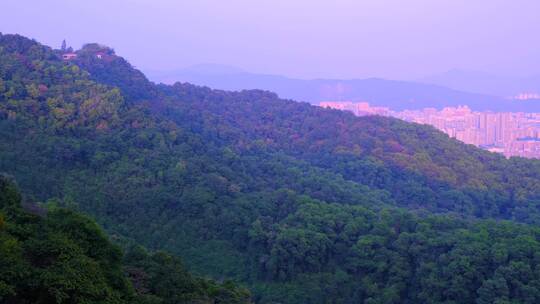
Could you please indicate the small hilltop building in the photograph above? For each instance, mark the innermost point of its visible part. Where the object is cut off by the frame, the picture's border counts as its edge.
(69, 56)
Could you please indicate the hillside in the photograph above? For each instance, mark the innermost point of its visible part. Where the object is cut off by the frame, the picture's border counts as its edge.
(397, 95)
(300, 203)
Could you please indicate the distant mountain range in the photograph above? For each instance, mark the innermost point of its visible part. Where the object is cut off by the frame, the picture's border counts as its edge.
(397, 95)
(485, 83)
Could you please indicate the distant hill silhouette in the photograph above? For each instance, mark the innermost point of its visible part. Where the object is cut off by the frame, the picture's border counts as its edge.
(398, 95)
(485, 83)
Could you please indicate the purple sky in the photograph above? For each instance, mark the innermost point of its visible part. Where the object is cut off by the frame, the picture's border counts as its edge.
(400, 39)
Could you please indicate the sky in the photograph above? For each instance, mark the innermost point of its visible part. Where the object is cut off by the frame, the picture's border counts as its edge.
(395, 39)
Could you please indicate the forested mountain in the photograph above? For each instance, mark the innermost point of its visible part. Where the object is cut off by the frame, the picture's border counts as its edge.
(300, 203)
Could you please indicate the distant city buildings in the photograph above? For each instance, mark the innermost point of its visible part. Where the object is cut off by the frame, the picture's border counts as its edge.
(358, 108)
(512, 134)
(527, 96)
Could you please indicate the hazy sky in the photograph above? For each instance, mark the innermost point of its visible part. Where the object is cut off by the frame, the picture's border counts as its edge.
(400, 39)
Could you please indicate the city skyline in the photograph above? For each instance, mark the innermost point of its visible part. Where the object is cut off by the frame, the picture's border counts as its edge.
(508, 133)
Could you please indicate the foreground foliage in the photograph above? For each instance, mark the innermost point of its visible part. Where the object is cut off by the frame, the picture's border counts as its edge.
(58, 256)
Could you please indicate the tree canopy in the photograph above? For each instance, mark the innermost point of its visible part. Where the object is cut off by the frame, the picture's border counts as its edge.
(299, 203)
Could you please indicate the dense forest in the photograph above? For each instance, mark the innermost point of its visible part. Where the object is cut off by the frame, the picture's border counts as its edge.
(299, 203)
(54, 255)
